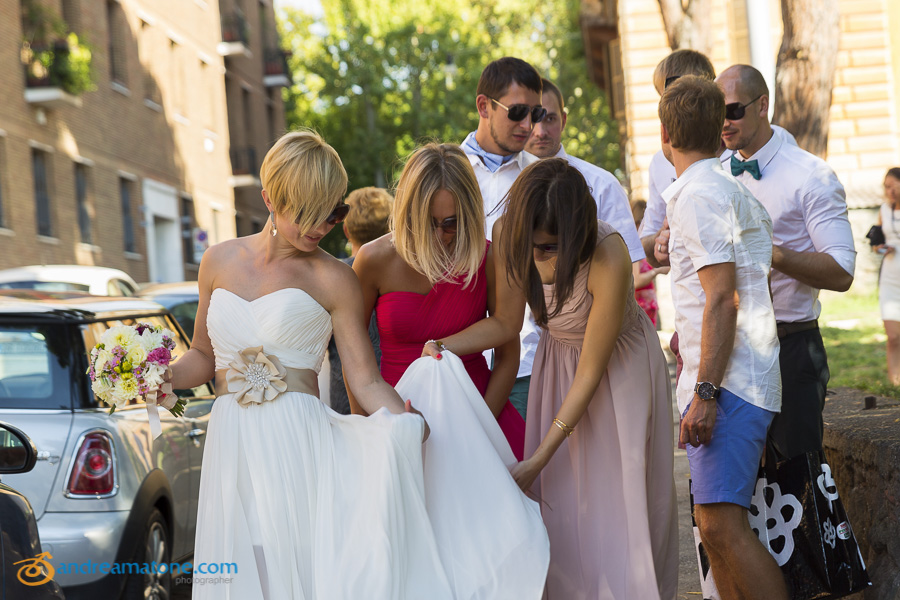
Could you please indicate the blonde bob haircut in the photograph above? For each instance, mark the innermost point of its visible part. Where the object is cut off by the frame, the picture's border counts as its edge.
(304, 178)
(428, 170)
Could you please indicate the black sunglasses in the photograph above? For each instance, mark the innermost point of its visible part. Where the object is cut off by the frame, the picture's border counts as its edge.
(547, 248)
(448, 225)
(336, 216)
(736, 111)
(517, 112)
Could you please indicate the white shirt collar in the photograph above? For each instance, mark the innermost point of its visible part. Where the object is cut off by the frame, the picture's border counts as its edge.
(701, 166)
(765, 154)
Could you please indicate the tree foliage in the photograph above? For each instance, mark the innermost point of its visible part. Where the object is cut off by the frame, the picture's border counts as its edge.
(378, 77)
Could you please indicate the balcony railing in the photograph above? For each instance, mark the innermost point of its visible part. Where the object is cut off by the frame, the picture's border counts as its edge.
(244, 168)
(235, 34)
(275, 68)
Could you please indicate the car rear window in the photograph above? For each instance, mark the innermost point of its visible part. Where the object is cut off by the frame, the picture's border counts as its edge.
(45, 286)
(35, 362)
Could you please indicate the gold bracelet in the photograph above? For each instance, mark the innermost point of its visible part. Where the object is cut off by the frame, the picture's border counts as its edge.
(565, 428)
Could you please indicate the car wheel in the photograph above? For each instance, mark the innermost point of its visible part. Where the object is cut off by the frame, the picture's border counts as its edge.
(155, 548)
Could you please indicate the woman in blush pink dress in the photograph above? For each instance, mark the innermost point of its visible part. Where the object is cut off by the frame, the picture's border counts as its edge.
(599, 439)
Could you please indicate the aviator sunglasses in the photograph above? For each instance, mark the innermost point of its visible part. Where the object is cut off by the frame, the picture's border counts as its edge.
(736, 111)
(448, 225)
(517, 112)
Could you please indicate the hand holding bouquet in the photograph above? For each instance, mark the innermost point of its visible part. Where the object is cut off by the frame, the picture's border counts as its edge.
(131, 362)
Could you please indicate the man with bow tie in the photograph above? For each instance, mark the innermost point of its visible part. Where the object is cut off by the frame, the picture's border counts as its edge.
(812, 249)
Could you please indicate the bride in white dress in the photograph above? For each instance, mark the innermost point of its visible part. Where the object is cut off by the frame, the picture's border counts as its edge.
(310, 504)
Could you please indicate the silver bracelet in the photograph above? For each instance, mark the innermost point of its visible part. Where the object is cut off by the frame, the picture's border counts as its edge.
(437, 343)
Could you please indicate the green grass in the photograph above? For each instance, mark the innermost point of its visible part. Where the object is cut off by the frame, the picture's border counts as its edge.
(854, 340)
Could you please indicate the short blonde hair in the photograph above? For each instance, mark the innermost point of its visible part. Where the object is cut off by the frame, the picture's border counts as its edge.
(432, 168)
(370, 214)
(304, 177)
(679, 63)
(692, 110)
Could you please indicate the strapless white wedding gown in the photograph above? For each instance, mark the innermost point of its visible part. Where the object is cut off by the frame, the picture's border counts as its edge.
(310, 504)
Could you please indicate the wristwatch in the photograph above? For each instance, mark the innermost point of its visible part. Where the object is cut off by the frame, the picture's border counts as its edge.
(707, 391)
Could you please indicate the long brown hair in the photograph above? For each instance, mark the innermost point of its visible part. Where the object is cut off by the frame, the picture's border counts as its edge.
(553, 197)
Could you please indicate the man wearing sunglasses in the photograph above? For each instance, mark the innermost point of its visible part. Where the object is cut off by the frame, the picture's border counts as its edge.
(661, 173)
(813, 249)
(612, 202)
(508, 99)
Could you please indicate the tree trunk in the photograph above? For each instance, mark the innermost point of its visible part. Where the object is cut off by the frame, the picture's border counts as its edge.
(687, 24)
(804, 75)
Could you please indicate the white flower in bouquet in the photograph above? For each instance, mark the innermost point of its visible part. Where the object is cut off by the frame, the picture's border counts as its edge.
(151, 340)
(137, 354)
(102, 387)
(126, 389)
(121, 335)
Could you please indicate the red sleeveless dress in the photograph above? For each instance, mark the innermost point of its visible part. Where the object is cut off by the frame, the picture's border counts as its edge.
(406, 320)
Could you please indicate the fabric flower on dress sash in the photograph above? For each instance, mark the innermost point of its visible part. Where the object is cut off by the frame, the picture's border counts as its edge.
(255, 377)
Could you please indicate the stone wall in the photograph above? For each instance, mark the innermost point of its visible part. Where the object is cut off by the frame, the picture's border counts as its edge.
(863, 449)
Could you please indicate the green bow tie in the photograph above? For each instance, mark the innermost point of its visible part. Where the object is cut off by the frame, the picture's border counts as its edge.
(739, 166)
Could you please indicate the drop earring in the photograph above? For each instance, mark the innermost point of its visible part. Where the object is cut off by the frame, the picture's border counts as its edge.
(274, 229)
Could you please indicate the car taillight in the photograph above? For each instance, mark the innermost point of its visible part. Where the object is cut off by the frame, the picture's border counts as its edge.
(93, 471)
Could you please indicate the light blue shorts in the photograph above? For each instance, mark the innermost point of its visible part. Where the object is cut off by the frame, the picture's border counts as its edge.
(725, 469)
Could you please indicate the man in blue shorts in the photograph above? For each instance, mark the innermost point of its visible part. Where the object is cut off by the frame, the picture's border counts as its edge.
(720, 251)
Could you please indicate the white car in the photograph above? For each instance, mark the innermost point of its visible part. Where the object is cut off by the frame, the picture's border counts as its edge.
(99, 281)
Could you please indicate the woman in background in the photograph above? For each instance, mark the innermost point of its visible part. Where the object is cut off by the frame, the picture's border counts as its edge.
(644, 273)
(889, 277)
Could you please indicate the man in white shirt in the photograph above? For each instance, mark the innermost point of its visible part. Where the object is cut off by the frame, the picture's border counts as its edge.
(720, 250)
(612, 202)
(813, 249)
(508, 99)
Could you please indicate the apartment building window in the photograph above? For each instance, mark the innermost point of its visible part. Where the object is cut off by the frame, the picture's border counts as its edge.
(115, 26)
(127, 220)
(152, 96)
(176, 68)
(81, 198)
(39, 162)
(246, 113)
(270, 119)
(187, 229)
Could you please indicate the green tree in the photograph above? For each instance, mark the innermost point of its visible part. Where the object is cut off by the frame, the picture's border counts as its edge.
(377, 77)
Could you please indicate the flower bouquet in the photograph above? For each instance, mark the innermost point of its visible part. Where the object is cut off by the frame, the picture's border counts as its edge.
(130, 362)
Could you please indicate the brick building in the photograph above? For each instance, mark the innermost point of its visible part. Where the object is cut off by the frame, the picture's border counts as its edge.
(159, 155)
(626, 39)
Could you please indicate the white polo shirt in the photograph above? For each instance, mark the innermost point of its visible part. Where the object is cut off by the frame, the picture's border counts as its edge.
(714, 219)
(661, 174)
(809, 209)
(612, 202)
(494, 187)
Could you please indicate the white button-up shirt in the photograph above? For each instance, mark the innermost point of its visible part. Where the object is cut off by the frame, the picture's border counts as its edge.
(714, 219)
(494, 187)
(661, 174)
(612, 202)
(809, 210)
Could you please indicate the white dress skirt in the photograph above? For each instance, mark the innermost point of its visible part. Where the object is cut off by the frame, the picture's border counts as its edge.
(310, 504)
(889, 277)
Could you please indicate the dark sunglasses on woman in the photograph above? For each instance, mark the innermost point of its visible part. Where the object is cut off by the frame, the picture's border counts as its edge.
(448, 225)
(736, 111)
(336, 216)
(517, 112)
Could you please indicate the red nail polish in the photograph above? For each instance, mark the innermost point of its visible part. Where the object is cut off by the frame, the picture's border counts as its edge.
(439, 357)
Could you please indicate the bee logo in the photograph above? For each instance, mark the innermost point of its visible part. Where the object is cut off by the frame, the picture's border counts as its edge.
(36, 571)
